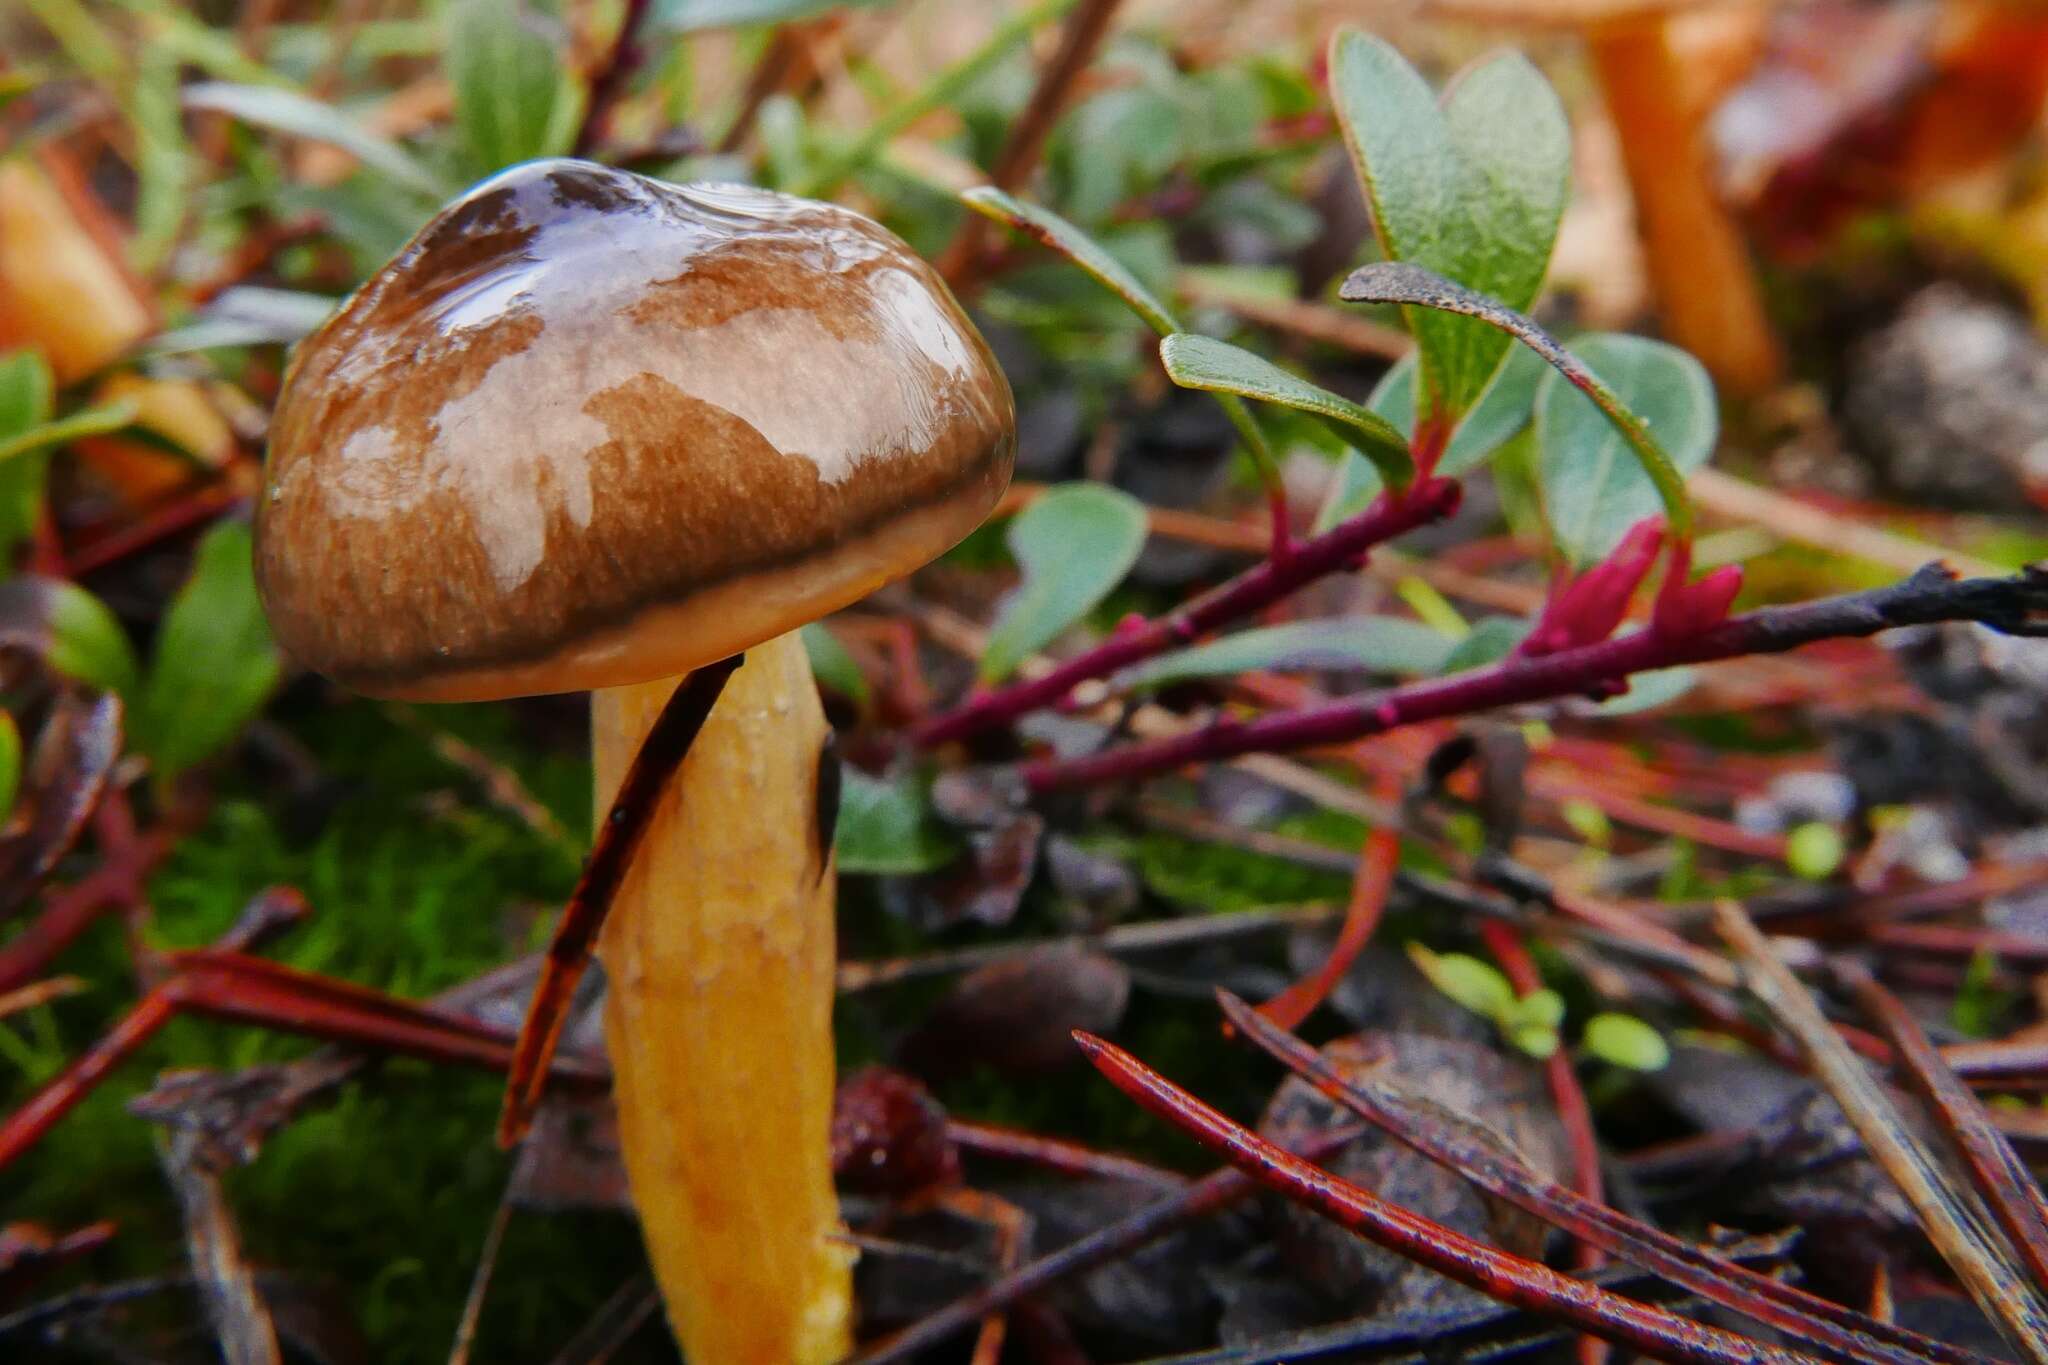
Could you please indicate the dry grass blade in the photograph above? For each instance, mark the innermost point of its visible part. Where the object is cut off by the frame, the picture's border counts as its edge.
(241, 1319)
(1814, 1323)
(1951, 1217)
(2006, 1185)
(1497, 1274)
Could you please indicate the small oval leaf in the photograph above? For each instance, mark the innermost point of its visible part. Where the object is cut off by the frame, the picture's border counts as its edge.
(1467, 981)
(1594, 487)
(886, 827)
(1626, 1041)
(10, 764)
(1200, 362)
(1074, 544)
(214, 664)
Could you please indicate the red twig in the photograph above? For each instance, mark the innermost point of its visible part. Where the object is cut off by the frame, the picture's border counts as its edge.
(1929, 596)
(1513, 1280)
(1250, 592)
(1824, 1327)
(1070, 1158)
(1370, 886)
(225, 983)
(1573, 1112)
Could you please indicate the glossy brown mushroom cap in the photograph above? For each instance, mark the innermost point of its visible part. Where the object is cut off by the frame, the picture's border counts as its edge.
(591, 429)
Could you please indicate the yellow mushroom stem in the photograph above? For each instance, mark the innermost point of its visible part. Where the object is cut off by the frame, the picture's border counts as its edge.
(719, 957)
(1699, 265)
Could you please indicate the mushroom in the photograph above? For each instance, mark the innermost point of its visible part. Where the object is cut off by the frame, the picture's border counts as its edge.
(1661, 65)
(593, 431)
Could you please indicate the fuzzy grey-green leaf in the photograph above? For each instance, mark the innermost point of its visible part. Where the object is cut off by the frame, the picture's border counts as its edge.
(1074, 544)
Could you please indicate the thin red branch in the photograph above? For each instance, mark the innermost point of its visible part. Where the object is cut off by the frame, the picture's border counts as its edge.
(1054, 1154)
(1370, 886)
(1514, 1280)
(1931, 595)
(608, 83)
(1252, 591)
(1819, 1325)
(1566, 1093)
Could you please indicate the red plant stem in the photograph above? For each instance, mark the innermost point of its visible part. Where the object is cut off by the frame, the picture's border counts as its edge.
(1513, 1280)
(1931, 595)
(249, 990)
(1573, 1112)
(1070, 1158)
(1251, 591)
(268, 914)
(1824, 1327)
(1370, 886)
(71, 911)
(187, 511)
(1217, 1190)
(2007, 1186)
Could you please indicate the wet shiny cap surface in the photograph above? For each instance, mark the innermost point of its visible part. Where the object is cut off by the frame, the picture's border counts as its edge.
(590, 429)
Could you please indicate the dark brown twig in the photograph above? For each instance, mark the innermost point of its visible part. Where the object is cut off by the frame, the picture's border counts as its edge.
(661, 753)
(1212, 1192)
(609, 81)
(1080, 36)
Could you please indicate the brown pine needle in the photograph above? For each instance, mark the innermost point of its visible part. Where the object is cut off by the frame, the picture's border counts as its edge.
(1953, 1219)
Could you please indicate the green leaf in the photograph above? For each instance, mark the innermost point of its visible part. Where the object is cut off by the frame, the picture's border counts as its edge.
(1376, 644)
(214, 663)
(514, 99)
(1501, 413)
(283, 111)
(886, 827)
(1624, 1040)
(688, 16)
(1537, 1040)
(1200, 362)
(86, 641)
(1489, 641)
(26, 389)
(1398, 282)
(1814, 850)
(1074, 545)
(1544, 1008)
(1472, 189)
(88, 422)
(1057, 234)
(1594, 487)
(247, 315)
(1648, 691)
(162, 165)
(10, 763)
(1469, 982)
(832, 665)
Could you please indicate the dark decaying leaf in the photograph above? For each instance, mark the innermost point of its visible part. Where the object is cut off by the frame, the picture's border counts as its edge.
(67, 774)
(1019, 1016)
(1492, 1098)
(984, 812)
